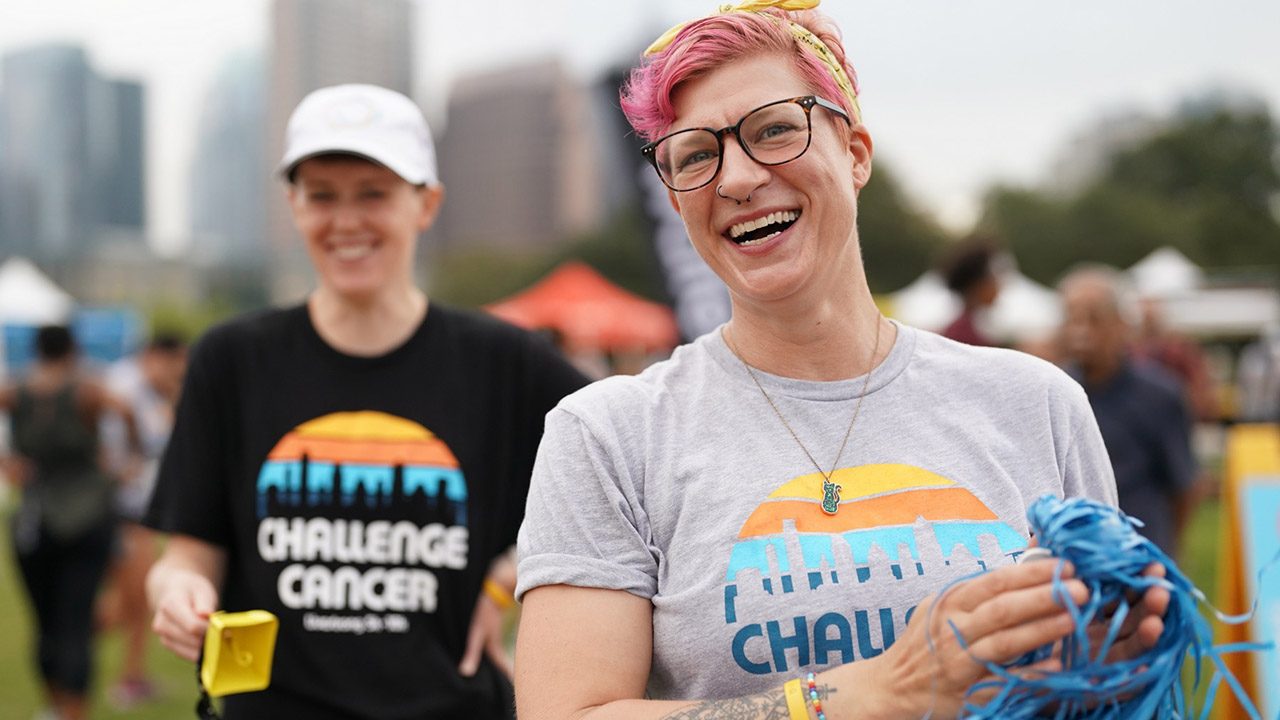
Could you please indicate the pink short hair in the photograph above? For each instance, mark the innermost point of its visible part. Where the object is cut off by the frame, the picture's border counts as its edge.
(708, 43)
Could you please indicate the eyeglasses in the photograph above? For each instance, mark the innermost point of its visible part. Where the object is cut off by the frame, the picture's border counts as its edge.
(771, 134)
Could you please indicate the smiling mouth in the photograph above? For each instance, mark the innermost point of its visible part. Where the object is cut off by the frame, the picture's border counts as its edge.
(763, 229)
(352, 251)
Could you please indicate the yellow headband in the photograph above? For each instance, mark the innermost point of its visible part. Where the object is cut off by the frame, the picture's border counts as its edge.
(807, 40)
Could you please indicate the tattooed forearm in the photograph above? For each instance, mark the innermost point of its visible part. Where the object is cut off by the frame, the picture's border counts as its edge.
(771, 705)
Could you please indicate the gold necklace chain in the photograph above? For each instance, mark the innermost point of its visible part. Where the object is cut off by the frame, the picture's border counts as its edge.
(830, 490)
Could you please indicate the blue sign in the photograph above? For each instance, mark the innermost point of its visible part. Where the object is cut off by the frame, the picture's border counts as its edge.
(19, 347)
(104, 335)
(1260, 510)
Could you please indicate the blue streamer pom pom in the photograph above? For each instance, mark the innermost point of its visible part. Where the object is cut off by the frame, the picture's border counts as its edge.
(1111, 556)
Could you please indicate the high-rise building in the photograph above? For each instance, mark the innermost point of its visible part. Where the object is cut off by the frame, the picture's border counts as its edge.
(118, 149)
(73, 164)
(3, 189)
(1086, 154)
(316, 43)
(228, 206)
(520, 158)
(47, 199)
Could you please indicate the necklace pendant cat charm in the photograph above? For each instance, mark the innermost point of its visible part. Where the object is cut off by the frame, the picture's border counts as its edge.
(830, 497)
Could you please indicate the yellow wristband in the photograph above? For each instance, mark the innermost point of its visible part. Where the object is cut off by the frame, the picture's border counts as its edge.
(499, 595)
(795, 700)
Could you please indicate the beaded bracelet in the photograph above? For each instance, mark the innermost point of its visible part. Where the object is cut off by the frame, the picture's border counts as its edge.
(812, 681)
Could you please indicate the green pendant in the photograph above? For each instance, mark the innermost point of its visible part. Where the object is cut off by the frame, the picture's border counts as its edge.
(830, 497)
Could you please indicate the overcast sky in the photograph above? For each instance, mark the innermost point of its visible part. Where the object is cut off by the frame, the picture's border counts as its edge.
(957, 94)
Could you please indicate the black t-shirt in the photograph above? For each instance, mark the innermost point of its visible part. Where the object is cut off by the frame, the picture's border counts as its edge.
(361, 500)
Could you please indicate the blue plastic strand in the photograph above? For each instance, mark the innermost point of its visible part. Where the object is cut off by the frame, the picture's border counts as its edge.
(1110, 556)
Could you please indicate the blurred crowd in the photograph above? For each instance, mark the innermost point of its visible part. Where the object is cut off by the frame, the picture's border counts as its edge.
(86, 443)
(1150, 388)
(84, 449)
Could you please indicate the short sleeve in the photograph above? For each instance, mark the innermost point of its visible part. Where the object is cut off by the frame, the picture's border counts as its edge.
(584, 521)
(191, 492)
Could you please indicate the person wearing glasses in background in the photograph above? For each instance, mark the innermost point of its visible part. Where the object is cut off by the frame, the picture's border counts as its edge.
(787, 493)
(355, 464)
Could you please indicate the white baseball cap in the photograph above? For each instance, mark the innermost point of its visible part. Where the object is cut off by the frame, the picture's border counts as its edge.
(365, 120)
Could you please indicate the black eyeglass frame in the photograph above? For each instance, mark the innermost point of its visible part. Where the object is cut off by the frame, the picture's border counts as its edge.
(807, 102)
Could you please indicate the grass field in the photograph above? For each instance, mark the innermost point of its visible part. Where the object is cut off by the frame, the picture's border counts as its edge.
(19, 692)
(19, 688)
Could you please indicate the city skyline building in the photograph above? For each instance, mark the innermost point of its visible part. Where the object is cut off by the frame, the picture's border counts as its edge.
(45, 189)
(1086, 153)
(73, 167)
(520, 159)
(118, 151)
(228, 206)
(4, 247)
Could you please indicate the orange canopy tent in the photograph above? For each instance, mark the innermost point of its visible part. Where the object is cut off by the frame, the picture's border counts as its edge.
(590, 312)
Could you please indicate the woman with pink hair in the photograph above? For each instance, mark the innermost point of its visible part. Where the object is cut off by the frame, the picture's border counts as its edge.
(760, 526)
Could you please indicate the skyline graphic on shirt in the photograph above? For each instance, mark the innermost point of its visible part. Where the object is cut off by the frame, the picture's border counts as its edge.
(900, 532)
(369, 457)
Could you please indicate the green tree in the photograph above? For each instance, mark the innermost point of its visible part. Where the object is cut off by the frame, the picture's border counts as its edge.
(620, 250)
(899, 242)
(1034, 227)
(1208, 151)
(1205, 183)
(1215, 166)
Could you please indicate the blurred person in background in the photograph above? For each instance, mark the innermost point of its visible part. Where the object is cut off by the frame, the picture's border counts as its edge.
(969, 271)
(356, 464)
(150, 381)
(64, 528)
(1141, 409)
(1258, 378)
(1178, 355)
(685, 551)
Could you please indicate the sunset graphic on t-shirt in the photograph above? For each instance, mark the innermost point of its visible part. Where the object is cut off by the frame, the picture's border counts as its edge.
(896, 525)
(361, 516)
(363, 456)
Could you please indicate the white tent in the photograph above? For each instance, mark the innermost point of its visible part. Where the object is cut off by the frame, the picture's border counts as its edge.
(1027, 311)
(1024, 310)
(1164, 273)
(1222, 312)
(925, 303)
(27, 297)
(1178, 286)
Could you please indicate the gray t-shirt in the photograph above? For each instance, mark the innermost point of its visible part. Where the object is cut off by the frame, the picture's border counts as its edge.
(681, 485)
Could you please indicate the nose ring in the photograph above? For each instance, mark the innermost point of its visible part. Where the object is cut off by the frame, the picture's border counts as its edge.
(720, 193)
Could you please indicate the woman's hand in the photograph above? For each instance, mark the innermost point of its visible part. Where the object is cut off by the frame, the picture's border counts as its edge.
(182, 590)
(182, 610)
(1001, 615)
(1143, 626)
(485, 636)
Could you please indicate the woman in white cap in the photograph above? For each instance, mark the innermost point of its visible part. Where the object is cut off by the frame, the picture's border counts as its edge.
(356, 464)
